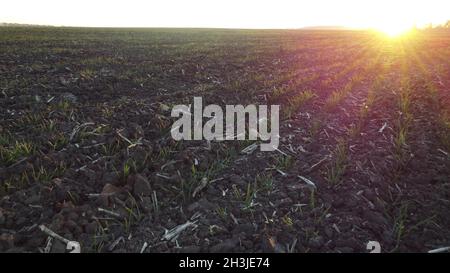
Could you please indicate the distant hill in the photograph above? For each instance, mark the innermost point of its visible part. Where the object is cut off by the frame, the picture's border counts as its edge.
(3, 24)
(328, 27)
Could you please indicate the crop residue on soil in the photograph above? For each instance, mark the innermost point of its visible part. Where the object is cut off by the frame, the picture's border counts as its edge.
(86, 150)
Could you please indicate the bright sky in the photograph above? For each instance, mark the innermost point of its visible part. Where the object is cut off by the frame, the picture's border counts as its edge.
(226, 13)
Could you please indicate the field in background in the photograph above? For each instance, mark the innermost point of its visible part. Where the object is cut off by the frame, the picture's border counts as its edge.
(85, 144)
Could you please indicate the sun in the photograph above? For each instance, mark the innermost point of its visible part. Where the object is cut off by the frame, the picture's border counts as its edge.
(394, 29)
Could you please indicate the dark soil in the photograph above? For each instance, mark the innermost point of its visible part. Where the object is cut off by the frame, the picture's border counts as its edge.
(86, 149)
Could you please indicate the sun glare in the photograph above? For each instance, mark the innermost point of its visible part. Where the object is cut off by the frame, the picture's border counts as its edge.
(394, 30)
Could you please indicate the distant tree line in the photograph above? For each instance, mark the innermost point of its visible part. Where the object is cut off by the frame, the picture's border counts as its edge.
(440, 26)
